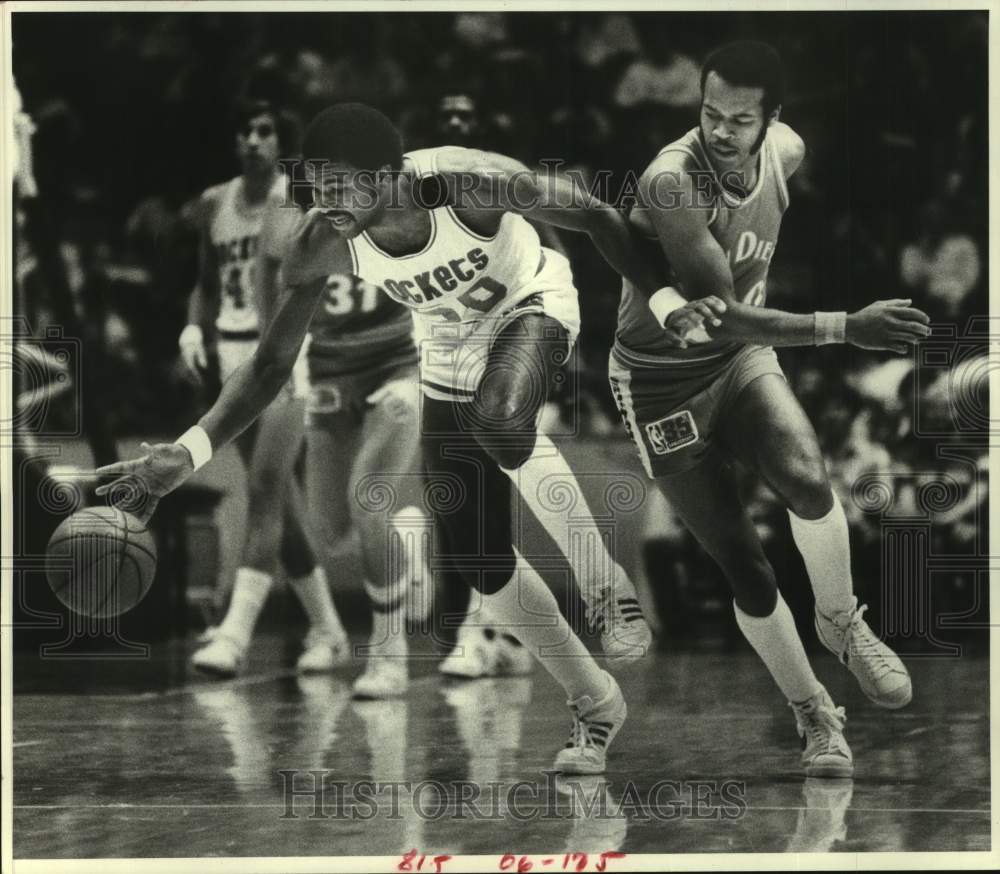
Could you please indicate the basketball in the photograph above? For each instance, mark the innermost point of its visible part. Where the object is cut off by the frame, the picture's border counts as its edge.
(100, 562)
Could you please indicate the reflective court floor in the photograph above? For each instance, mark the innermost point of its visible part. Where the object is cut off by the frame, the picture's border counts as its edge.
(142, 758)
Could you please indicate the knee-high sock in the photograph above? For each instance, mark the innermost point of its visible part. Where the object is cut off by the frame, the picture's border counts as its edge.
(826, 551)
(250, 591)
(551, 491)
(527, 609)
(313, 592)
(388, 631)
(777, 642)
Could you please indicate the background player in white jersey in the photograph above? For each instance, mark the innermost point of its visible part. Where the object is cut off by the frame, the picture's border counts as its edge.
(496, 311)
(223, 302)
(709, 387)
(363, 459)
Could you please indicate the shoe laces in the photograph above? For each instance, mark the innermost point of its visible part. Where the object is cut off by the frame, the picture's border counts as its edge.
(858, 639)
(819, 723)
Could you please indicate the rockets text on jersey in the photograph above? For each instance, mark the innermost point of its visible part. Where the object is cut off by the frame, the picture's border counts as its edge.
(459, 276)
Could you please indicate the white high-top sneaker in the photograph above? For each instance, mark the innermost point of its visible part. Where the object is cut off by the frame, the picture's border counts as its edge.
(323, 651)
(821, 726)
(384, 677)
(880, 672)
(222, 657)
(473, 655)
(511, 657)
(616, 614)
(595, 724)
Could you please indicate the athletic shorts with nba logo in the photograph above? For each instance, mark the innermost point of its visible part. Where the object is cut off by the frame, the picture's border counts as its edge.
(671, 419)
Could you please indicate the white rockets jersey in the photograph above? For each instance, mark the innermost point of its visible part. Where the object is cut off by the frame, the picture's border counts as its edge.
(234, 229)
(460, 277)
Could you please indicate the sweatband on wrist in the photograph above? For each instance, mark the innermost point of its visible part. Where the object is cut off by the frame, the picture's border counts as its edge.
(830, 328)
(196, 441)
(190, 334)
(664, 301)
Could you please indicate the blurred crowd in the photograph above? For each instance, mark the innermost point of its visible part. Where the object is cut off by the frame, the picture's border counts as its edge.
(131, 122)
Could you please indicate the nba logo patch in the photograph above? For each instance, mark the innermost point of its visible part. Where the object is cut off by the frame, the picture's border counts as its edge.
(324, 398)
(672, 432)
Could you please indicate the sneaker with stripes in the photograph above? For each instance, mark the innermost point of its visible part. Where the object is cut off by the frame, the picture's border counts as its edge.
(820, 725)
(595, 724)
(616, 614)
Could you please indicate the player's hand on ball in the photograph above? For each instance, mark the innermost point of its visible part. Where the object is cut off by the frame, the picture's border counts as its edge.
(400, 396)
(892, 325)
(687, 324)
(141, 482)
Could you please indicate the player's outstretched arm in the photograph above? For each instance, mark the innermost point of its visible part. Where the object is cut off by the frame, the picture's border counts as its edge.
(491, 182)
(140, 483)
(708, 309)
(889, 325)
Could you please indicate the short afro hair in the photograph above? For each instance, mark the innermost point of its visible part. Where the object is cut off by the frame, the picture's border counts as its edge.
(354, 134)
(749, 64)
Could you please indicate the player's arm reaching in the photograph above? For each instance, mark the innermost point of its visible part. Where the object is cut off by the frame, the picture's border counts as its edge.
(702, 269)
(314, 253)
(203, 305)
(489, 183)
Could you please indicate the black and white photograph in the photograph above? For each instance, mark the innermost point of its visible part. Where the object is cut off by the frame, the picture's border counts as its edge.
(446, 437)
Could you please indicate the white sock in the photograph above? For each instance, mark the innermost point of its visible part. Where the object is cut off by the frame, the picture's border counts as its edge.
(415, 530)
(826, 551)
(527, 609)
(250, 591)
(554, 496)
(388, 631)
(777, 642)
(313, 593)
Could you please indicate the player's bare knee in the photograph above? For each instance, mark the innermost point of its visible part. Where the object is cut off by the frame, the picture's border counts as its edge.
(755, 587)
(806, 490)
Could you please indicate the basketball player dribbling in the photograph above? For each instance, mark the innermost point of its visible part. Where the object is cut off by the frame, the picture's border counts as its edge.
(698, 384)
(229, 219)
(442, 232)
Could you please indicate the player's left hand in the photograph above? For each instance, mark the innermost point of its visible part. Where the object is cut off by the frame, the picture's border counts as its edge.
(687, 324)
(401, 397)
(141, 482)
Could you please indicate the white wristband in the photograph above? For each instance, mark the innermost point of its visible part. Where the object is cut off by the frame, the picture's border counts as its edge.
(196, 441)
(191, 335)
(830, 328)
(664, 301)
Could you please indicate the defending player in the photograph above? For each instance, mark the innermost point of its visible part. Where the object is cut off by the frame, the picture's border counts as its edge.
(230, 216)
(362, 438)
(707, 389)
(443, 232)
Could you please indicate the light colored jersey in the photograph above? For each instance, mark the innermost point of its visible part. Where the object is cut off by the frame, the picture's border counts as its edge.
(355, 328)
(234, 227)
(746, 229)
(459, 277)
